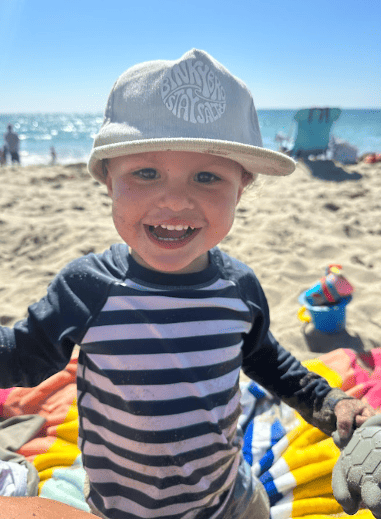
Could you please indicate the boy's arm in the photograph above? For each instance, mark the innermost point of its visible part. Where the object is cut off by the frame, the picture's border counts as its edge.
(42, 344)
(269, 364)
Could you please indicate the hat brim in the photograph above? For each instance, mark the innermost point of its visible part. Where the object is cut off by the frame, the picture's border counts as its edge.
(253, 159)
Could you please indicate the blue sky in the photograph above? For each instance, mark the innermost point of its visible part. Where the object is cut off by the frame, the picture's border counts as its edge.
(64, 55)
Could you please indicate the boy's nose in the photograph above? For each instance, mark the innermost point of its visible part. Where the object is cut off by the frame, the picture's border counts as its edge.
(176, 198)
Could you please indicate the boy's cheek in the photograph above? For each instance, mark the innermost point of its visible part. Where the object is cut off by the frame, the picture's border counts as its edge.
(119, 192)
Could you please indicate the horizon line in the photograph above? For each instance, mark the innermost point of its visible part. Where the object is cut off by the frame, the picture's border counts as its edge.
(100, 112)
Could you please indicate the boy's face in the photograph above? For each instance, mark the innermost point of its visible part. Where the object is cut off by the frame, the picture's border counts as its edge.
(172, 207)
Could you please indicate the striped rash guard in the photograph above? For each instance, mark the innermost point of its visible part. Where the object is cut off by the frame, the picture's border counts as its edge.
(158, 376)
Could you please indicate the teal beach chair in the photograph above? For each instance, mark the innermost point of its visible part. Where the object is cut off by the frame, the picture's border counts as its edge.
(313, 131)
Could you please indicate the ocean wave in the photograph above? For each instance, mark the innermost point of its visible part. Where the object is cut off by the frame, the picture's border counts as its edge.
(45, 159)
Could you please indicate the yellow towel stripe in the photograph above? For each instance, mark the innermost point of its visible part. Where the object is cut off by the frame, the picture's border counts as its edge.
(318, 487)
(64, 450)
(361, 514)
(317, 366)
(320, 505)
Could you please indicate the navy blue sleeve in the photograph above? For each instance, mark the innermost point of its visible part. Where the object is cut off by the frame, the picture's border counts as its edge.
(276, 369)
(42, 344)
(265, 361)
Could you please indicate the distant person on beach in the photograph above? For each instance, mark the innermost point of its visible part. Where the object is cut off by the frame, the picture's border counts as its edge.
(53, 156)
(12, 143)
(3, 156)
(166, 320)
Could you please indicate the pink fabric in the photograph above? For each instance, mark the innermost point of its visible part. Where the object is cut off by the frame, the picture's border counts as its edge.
(3, 398)
(360, 373)
(52, 399)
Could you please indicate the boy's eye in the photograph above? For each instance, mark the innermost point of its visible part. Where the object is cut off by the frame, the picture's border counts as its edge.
(205, 177)
(146, 174)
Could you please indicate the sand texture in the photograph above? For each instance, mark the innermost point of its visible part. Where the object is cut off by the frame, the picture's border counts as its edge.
(287, 229)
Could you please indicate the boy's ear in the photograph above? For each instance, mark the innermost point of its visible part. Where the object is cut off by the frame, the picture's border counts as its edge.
(109, 186)
(239, 193)
(246, 180)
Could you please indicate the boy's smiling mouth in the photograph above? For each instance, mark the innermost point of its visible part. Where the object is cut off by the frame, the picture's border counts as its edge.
(171, 236)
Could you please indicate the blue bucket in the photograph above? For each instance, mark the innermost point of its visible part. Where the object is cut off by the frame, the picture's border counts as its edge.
(326, 319)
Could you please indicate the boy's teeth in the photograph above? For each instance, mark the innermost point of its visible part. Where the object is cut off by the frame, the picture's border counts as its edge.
(165, 232)
(175, 227)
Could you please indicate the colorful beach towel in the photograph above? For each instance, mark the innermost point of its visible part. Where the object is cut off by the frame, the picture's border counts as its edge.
(293, 460)
(53, 451)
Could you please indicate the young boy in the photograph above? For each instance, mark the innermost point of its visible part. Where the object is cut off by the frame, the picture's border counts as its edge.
(166, 321)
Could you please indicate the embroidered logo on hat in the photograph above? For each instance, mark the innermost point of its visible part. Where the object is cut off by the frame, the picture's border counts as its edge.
(192, 92)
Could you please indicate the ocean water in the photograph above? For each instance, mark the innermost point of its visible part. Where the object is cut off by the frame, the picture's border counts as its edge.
(72, 134)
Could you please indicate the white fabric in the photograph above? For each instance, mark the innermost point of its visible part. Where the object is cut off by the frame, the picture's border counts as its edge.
(13, 479)
(342, 151)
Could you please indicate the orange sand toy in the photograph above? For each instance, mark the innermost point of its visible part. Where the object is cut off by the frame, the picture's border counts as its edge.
(332, 288)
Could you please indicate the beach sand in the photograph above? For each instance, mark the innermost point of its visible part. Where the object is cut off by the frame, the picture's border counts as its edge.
(287, 229)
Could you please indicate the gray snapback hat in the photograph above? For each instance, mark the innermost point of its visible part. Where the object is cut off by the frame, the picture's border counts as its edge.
(191, 104)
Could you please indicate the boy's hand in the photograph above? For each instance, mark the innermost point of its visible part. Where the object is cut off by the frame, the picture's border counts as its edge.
(350, 414)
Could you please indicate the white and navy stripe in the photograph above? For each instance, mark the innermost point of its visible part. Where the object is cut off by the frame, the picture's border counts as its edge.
(158, 393)
(159, 398)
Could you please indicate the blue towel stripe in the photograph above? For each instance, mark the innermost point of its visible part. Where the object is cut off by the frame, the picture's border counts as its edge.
(266, 477)
(266, 461)
(273, 494)
(256, 391)
(277, 432)
(247, 445)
